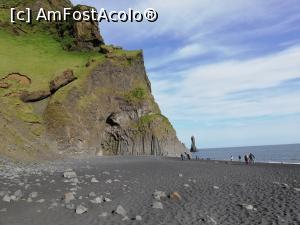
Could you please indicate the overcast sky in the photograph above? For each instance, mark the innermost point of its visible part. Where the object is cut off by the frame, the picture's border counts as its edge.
(226, 71)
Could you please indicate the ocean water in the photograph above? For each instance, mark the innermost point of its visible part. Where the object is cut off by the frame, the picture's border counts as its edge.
(269, 153)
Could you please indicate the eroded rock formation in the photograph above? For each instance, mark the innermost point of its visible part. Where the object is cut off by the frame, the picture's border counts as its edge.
(113, 113)
(109, 110)
(193, 145)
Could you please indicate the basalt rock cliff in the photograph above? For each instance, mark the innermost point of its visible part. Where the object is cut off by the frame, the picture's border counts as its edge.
(63, 91)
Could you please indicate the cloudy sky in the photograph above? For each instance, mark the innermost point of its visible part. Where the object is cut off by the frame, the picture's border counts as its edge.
(226, 71)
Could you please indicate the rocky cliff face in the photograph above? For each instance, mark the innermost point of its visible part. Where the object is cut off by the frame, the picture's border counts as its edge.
(100, 104)
(112, 112)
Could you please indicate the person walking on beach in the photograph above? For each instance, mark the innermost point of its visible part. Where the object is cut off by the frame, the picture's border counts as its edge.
(246, 159)
(240, 157)
(251, 158)
(188, 156)
(231, 158)
(182, 156)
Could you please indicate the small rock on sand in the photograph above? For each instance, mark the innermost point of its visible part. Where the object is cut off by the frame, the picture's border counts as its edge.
(33, 194)
(212, 220)
(107, 199)
(138, 218)
(159, 194)
(175, 196)
(94, 180)
(104, 214)
(81, 209)
(216, 187)
(157, 205)
(68, 197)
(41, 201)
(92, 194)
(180, 175)
(97, 200)
(120, 211)
(297, 189)
(70, 206)
(186, 185)
(69, 174)
(18, 194)
(109, 181)
(285, 185)
(248, 207)
(6, 198)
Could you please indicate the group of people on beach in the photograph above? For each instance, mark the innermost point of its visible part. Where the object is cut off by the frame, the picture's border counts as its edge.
(185, 156)
(249, 159)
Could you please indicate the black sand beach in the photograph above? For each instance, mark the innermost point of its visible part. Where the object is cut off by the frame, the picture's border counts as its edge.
(208, 192)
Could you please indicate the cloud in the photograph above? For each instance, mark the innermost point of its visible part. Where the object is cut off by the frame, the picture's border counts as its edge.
(223, 70)
(215, 91)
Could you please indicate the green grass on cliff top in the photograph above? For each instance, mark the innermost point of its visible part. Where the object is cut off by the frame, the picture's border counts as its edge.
(40, 57)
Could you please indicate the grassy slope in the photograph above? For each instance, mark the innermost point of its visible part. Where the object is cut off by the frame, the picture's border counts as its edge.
(40, 57)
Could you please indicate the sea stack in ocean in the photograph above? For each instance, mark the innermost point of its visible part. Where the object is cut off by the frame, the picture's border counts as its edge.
(193, 146)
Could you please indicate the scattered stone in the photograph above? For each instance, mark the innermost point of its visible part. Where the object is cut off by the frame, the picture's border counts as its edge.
(29, 200)
(180, 175)
(159, 194)
(297, 189)
(212, 220)
(157, 205)
(216, 187)
(125, 218)
(117, 180)
(6, 198)
(106, 173)
(33, 195)
(74, 180)
(285, 185)
(186, 185)
(41, 201)
(109, 181)
(2, 193)
(14, 198)
(92, 194)
(120, 211)
(97, 200)
(248, 207)
(94, 180)
(138, 218)
(107, 199)
(104, 214)
(81, 209)
(69, 174)
(68, 197)
(175, 196)
(53, 205)
(70, 206)
(18, 194)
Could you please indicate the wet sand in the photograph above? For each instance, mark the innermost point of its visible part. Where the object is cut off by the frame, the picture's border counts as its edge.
(210, 192)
